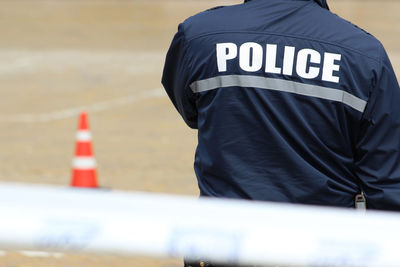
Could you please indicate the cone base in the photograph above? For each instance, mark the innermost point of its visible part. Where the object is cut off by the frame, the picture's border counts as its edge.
(84, 178)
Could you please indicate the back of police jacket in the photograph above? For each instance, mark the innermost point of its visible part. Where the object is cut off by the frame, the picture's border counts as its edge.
(291, 102)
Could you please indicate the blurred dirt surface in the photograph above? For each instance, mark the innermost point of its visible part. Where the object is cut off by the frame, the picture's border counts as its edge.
(58, 57)
(15, 259)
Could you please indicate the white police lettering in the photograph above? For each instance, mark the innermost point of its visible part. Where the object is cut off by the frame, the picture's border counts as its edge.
(309, 63)
(225, 51)
(288, 60)
(251, 57)
(302, 59)
(330, 67)
(270, 60)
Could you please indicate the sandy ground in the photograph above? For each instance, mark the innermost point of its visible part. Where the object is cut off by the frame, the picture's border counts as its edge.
(60, 57)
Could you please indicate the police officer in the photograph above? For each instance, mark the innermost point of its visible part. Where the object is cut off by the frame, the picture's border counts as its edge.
(292, 104)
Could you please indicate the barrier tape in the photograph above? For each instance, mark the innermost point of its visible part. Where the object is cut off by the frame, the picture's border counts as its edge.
(132, 223)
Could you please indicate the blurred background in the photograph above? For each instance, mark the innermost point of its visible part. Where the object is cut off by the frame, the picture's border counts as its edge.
(59, 57)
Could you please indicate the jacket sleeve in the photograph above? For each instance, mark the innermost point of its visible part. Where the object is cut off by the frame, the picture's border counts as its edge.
(378, 147)
(176, 79)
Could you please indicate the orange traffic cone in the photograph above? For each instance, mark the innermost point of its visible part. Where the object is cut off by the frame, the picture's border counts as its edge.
(84, 165)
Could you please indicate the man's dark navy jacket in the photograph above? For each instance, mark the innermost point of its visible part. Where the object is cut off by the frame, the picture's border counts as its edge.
(291, 102)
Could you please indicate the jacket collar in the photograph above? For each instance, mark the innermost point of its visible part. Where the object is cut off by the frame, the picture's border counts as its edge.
(322, 3)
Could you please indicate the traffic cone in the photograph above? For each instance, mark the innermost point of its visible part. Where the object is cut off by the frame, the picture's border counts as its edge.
(84, 165)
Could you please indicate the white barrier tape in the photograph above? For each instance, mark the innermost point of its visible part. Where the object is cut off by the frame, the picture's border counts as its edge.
(84, 163)
(40, 254)
(246, 232)
(83, 136)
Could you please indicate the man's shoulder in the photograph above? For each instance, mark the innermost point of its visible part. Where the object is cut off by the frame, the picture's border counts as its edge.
(349, 35)
(210, 12)
(209, 19)
(214, 8)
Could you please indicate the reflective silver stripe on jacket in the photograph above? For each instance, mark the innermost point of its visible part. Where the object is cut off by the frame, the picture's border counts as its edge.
(280, 85)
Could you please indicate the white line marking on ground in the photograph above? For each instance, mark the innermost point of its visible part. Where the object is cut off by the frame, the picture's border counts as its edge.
(41, 254)
(20, 62)
(73, 112)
